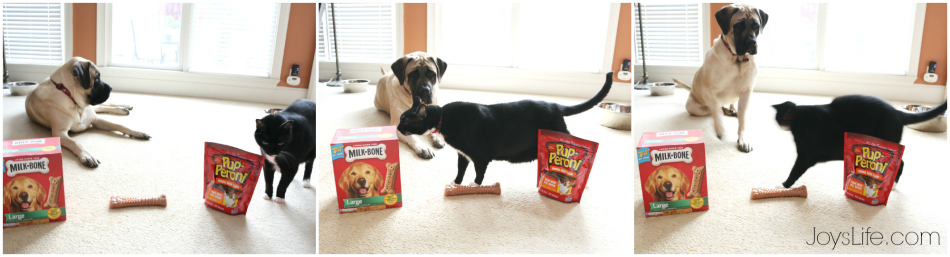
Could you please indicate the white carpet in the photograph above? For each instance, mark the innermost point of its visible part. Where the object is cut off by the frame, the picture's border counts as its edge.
(735, 224)
(171, 164)
(518, 221)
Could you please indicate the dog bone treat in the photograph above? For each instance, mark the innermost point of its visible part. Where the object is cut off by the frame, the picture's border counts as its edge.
(390, 187)
(52, 199)
(123, 201)
(764, 192)
(697, 182)
(456, 189)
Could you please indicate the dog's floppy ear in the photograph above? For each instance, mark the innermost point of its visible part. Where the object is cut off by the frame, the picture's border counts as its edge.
(81, 71)
(344, 181)
(684, 181)
(399, 69)
(724, 17)
(441, 65)
(379, 180)
(763, 17)
(42, 195)
(650, 186)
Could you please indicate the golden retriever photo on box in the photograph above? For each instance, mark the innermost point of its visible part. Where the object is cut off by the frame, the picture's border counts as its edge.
(667, 184)
(361, 180)
(23, 194)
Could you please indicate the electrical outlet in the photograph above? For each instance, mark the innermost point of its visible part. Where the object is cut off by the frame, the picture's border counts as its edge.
(293, 79)
(623, 75)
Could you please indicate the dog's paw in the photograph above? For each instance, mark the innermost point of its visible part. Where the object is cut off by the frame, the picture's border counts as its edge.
(729, 111)
(425, 152)
(306, 183)
(140, 135)
(278, 200)
(89, 161)
(266, 197)
(124, 111)
(744, 145)
(438, 142)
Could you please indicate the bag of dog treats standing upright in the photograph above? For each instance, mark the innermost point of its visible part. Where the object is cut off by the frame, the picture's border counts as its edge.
(230, 177)
(870, 167)
(564, 162)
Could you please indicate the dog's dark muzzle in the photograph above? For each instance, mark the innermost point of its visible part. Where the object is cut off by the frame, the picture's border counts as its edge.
(99, 94)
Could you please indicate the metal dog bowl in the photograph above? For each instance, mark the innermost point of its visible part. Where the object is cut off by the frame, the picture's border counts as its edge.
(22, 87)
(937, 124)
(355, 85)
(272, 110)
(662, 88)
(615, 115)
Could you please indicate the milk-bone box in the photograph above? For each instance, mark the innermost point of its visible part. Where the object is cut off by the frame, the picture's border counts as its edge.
(672, 167)
(33, 187)
(366, 169)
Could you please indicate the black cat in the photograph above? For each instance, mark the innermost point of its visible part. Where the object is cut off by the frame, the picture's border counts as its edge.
(819, 129)
(482, 133)
(287, 139)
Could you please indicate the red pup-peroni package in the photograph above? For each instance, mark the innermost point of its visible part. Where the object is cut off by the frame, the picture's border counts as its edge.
(870, 167)
(564, 163)
(230, 177)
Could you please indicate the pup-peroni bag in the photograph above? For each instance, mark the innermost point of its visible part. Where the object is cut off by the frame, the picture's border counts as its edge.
(870, 167)
(230, 177)
(564, 162)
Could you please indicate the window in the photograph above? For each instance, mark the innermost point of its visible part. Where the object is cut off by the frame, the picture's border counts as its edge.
(365, 33)
(671, 34)
(204, 37)
(34, 33)
(790, 37)
(524, 35)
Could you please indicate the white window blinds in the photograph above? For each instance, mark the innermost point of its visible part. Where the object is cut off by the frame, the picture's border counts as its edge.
(366, 32)
(232, 38)
(33, 33)
(671, 34)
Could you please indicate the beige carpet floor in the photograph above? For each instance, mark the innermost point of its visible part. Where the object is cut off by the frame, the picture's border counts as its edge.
(518, 221)
(170, 163)
(735, 224)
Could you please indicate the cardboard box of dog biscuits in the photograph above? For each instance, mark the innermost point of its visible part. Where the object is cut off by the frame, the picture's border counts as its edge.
(33, 191)
(366, 168)
(672, 168)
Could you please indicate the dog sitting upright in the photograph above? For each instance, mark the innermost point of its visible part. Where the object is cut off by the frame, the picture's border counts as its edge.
(414, 75)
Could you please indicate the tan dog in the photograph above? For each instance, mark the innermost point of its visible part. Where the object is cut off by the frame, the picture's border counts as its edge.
(667, 184)
(23, 194)
(729, 71)
(361, 180)
(68, 101)
(414, 75)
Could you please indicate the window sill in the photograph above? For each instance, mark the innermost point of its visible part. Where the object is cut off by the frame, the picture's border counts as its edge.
(483, 78)
(811, 82)
(215, 86)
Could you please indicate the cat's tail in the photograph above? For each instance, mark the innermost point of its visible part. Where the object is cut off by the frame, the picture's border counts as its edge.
(682, 85)
(911, 118)
(571, 110)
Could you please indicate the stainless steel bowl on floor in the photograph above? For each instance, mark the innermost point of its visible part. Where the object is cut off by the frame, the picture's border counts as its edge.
(272, 110)
(355, 85)
(937, 125)
(22, 87)
(662, 88)
(615, 115)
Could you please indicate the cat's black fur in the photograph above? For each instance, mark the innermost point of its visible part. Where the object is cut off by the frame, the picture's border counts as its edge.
(819, 129)
(287, 138)
(504, 132)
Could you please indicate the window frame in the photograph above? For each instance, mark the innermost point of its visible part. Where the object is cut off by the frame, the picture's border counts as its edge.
(777, 80)
(704, 33)
(104, 49)
(67, 30)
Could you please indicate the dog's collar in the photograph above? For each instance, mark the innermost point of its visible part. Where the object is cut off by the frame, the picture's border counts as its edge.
(744, 58)
(64, 90)
(404, 88)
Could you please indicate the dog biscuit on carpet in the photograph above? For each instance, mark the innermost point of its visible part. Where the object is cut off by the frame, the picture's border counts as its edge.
(455, 189)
